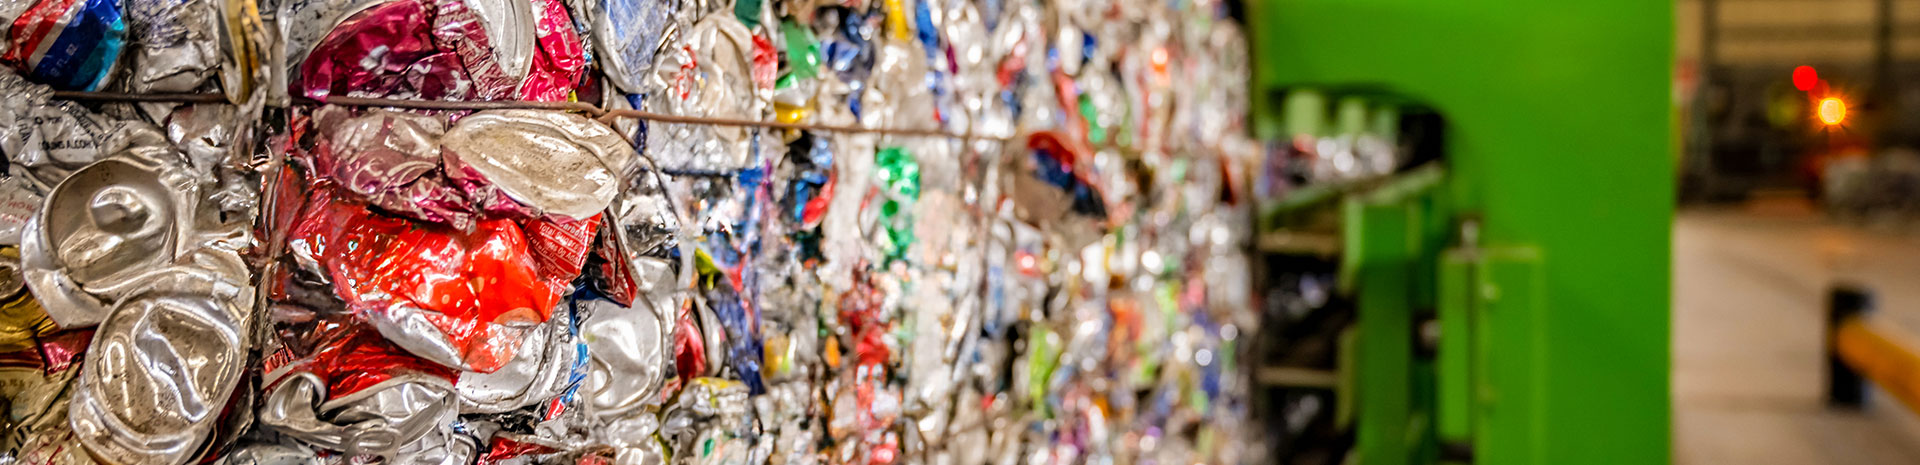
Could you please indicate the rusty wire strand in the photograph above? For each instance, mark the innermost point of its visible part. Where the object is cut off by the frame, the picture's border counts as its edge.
(602, 115)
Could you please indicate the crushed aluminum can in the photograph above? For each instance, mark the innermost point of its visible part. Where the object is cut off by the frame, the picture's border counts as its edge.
(690, 353)
(176, 337)
(974, 81)
(538, 372)
(650, 225)
(21, 320)
(203, 297)
(608, 271)
(440, 446)
(303, 24)
(847, 40)
(36, 428)
(739, 320)
(271, 453)
(392, 160)
(786, 410)
(49, 139)
(35, 383)
(515, 449)
(496, 41)
(794, 266)
(463, 31)
(140, 215)
(535, 163)
(627, 348)
(562, 58)
(377, 420)
(627, 34)
(635, 441)
(10, 10)
(706, 72)
(705, 405)
(384, 51)
(560, 246)
(207, 134)
(358, 394)
(244, 49)
(18, 204)
(463, 299)
(71, 45)
(177, 48)
(898, 95)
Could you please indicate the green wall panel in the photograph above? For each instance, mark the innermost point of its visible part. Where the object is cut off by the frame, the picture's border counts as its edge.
(1560, 134)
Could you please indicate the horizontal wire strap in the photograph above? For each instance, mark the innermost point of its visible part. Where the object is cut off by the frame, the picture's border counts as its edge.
(601, 114)
(126, 97)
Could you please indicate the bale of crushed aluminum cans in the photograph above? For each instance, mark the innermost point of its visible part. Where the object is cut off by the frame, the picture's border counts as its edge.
(285, 279)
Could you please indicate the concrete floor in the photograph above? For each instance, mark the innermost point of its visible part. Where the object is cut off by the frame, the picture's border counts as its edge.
(1748, 370)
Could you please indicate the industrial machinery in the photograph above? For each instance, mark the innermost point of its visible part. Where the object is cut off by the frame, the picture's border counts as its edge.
(1359, 166)
(1505, 301)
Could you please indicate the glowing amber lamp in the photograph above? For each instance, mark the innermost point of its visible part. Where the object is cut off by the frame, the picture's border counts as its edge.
(1832, 111)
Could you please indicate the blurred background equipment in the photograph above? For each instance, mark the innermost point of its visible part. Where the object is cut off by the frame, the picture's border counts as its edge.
(1350, 155)
(1798, 97)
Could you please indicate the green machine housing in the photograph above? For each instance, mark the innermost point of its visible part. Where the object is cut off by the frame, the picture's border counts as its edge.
(1511, 302)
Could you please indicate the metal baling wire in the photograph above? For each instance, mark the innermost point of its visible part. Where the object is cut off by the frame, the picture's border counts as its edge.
(603, 115)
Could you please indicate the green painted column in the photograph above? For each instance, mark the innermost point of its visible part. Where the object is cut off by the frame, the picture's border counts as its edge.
(1559, 136)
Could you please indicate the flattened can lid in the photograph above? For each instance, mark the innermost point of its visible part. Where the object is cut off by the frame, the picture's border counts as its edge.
(555, 163)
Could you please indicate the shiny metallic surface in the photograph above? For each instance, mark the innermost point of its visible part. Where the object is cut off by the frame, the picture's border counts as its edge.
(54, 138)
(554, 163)
(647, 452)
(400, 49)
(22, 321)
(436, 277)
(137, 209)
(18, 204)
(714, 335)
(897, 94)
(271, 454)
(379, 420)
(510, 32)
(178, 44)
(628, 352)
(91, 34)
(391, 159)
(647, 219)
(160, 367)
(122, 243)
(304, 23)
(10, 281)
(634, 435)
(244, 48)
(207, 134)
(11, 9)
(413, 329)
(35, 429)
(440, 446)
(538, 372)
(626, 36)
(705, 72)
(705, 404)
